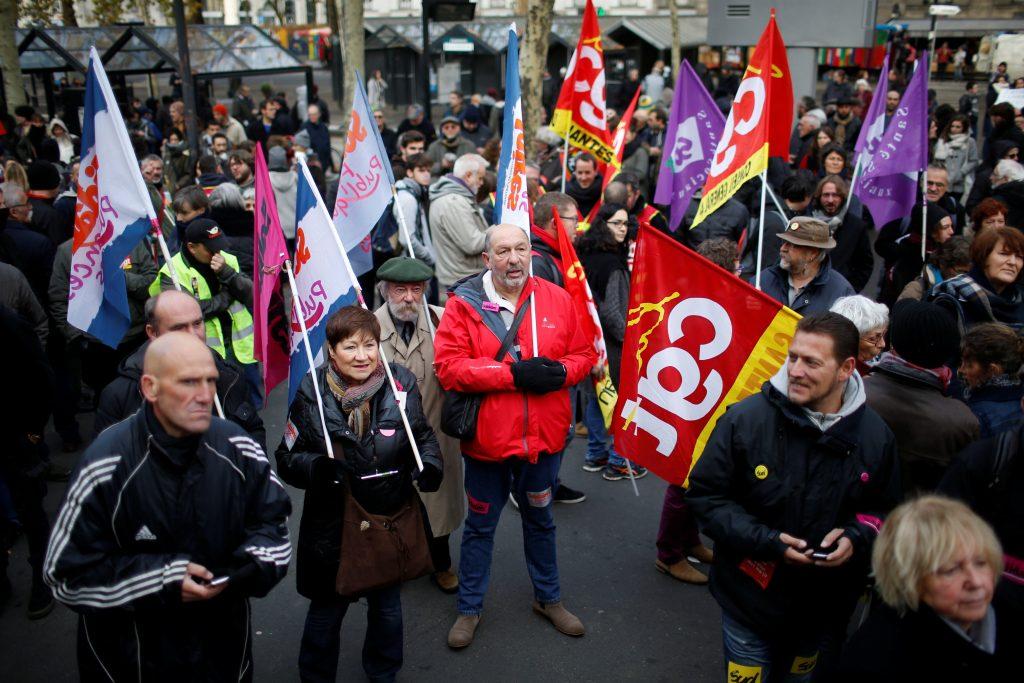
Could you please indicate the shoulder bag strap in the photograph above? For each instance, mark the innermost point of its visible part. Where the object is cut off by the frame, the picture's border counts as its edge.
(510, 336)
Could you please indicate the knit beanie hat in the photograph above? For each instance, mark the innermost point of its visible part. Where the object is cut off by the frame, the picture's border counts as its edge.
(935, 215)
(42, 175)
(924, 333)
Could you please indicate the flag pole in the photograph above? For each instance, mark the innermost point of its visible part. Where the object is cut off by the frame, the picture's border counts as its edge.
(760, 229)
(778, 204)
(565, 160)
(853, 184)
(924, 214)
(297, 310)
(362, 302)
(408, 240)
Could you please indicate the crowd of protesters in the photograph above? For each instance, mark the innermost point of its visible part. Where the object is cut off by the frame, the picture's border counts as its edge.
(902, 390)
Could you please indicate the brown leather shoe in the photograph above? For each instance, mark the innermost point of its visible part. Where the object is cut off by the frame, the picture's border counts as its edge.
(447, 581)
(562, 619)
(682, 570)
(463, 631)
(702, 553)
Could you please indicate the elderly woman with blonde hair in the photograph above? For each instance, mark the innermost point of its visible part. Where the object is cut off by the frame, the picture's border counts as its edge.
(935, 564)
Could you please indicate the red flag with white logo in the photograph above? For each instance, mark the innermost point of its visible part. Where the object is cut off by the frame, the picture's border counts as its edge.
(698, 339)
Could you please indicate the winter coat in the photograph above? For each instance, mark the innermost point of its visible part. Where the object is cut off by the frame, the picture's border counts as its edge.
(1012, 195)
(478, 137)
(16, 293)
(446, 508)
(123, 396)
(511, 423)
(286, 184)
(302, 461)
(546, 257)
(920, 646)
(457, 228)
(235, 132)
(179, 168)
(319, 141)
(133, 518)
(50, 222)
(441, 146)
(767, 469)
(139, 271)
(960, 157)
(608, 278)
(977, 303)
(991, 483)
(930, 428)
(586, 197)
(851, 257)
(411, 200)
(996, 404)
(31, 253)
(68, 145)
(730, 221)
(817, 297)
(27, 410)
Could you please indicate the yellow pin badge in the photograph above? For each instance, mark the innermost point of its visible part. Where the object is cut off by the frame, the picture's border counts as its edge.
(761, 472)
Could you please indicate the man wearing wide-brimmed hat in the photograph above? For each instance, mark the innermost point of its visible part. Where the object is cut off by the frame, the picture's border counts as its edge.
(803, 278)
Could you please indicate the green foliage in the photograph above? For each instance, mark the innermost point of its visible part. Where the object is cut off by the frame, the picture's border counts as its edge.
(38, 11)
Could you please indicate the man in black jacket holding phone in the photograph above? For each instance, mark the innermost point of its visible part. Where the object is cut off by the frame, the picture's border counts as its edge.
(792, 487)
(161, 508)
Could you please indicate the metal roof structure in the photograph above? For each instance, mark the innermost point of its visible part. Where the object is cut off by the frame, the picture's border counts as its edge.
(657, 31)
(215, 51)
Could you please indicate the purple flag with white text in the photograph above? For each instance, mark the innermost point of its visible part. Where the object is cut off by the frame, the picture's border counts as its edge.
(694, 127)
(874, 121)
(889, 176)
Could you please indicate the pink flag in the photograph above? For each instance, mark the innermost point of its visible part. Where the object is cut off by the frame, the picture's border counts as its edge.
(270, 253)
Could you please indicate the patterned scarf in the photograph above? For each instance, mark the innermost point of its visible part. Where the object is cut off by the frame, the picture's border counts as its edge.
(354, 399)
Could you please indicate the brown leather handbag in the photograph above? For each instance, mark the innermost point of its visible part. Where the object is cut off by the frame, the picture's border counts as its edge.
(381, 550)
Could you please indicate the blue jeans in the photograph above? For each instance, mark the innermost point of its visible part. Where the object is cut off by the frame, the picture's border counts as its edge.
(752, 658)
(382, 647)
(488, 485)
(599, 443)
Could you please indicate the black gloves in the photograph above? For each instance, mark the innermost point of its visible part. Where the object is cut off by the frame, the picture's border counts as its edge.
(539, 375)
(328, 471)
(429, 480)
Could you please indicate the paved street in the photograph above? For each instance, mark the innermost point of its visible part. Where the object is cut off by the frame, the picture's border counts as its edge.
(641, 625)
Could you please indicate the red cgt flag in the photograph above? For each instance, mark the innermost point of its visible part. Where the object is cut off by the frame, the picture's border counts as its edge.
(580, 113)
(758, 125)
(698, 339)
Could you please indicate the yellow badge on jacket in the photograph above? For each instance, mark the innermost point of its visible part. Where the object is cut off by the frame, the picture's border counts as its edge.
(761, 472)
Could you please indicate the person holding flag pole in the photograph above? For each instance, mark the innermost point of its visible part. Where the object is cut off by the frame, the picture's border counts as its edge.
(758, 126)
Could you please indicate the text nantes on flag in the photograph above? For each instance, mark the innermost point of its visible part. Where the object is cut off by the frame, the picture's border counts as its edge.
(758, 125)
(580, 111)
(698, 339)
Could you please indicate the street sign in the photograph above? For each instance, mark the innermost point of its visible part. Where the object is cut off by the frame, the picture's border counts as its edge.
(458, 45)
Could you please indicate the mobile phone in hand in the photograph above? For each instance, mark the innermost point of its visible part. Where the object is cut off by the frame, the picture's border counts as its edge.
(822, 552)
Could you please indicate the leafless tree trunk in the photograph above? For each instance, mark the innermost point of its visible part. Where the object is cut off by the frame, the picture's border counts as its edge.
(67, 8)
(533, 57)
(352, 47)
(14, 89)
(676, 39)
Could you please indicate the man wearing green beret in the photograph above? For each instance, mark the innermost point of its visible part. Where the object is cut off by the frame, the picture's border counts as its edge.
(405, 335)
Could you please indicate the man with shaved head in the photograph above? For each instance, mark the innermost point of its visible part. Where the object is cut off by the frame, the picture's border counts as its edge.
(484, 345)
(171, 521)
(174, 311)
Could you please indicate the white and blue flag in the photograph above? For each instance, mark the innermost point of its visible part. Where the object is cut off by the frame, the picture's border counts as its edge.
(322, 282)
(364, 183)
(512, 203)
(113, 213)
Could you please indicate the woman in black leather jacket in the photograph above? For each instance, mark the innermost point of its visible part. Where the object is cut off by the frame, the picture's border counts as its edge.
(368, 438)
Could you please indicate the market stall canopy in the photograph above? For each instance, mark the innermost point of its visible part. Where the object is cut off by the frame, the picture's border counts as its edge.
(215, 51)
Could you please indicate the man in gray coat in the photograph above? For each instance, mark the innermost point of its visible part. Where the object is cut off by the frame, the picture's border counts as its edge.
(456, 224)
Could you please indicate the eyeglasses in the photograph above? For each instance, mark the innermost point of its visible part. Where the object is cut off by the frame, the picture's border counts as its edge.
(573, 218)
(615, 224)
(876, 339)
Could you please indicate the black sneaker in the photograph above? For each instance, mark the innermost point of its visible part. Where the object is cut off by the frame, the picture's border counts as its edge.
(594, 465)
(616, 472)
(41, 602)
(564, 494)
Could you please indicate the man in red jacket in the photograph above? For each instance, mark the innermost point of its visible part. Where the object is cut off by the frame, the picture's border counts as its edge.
(523, 417)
